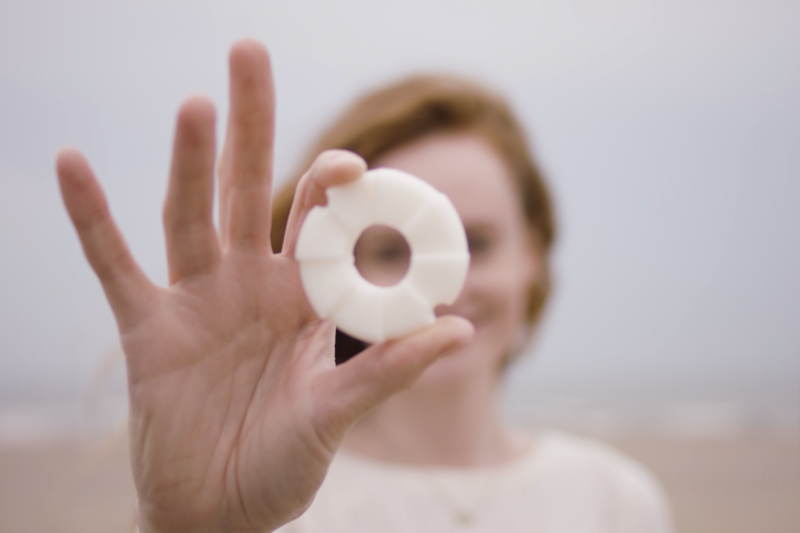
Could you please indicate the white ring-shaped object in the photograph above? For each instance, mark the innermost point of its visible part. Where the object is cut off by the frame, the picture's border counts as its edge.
(427, 220)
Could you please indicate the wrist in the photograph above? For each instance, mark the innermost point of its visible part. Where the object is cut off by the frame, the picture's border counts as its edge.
(142, 525)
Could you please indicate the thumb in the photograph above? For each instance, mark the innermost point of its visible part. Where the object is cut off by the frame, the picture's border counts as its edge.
(350, 390)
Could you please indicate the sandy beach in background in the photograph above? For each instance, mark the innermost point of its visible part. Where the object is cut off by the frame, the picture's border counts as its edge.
(731, 485)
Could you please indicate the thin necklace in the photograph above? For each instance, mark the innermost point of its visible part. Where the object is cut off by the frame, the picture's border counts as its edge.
(494, 477)
(466, 513)
(463, 513)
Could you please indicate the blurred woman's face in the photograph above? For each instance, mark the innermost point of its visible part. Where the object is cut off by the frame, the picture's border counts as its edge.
(504, 261)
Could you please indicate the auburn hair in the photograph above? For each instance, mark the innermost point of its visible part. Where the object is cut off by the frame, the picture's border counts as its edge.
(419, 106)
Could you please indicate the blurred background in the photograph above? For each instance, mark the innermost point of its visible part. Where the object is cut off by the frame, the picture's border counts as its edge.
(670, 133)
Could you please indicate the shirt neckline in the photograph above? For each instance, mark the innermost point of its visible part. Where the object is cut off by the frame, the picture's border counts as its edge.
(538, 444)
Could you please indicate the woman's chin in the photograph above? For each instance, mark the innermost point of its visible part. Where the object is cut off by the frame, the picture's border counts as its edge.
(463, 365)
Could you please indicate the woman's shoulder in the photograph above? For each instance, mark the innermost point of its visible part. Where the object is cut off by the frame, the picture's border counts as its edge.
(580, 464)
(568, 450)
(572, 455)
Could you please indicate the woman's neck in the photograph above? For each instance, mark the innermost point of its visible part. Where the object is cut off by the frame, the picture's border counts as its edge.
(456, 425)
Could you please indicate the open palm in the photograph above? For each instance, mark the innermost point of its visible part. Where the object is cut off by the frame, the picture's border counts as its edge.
(237, 407)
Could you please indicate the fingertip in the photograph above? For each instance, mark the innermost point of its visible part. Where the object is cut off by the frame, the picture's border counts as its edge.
(197, 109)
(337, 167)
(66, 151)
(350, 162)
(80, 191)
(458, 324)
(247, 50)
(71, 165)
(458, 328)
(66, 156)
(196, 120)
(446, 334)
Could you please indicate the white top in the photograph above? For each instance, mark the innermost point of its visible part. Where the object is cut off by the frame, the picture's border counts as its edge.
(565, 484)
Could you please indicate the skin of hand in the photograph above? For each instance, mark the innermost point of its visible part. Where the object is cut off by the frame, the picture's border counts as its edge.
(236, 405)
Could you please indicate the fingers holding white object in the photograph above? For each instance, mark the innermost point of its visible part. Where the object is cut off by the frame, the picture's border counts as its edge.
(126, 286)
(331, 168)
(435, 235)
(384, 369)
(225, 431)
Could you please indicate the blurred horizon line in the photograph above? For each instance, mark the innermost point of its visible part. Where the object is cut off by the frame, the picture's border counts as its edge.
(47, 423)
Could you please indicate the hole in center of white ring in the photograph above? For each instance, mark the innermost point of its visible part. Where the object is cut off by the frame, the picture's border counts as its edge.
(382, 255)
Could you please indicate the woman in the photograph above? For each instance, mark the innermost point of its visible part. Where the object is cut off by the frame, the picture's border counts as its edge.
(438, 456)
(237, 406)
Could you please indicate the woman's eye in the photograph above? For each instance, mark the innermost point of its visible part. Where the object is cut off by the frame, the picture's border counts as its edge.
(390, 255)
(383, 248)
(479, 245)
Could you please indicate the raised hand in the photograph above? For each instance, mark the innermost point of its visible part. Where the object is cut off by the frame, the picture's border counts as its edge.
(237, 407)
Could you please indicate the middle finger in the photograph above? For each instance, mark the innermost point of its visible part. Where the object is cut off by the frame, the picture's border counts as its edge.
(251, 132)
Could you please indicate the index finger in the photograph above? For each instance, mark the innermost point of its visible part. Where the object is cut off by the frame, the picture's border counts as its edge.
(250, 143)
(333, 167)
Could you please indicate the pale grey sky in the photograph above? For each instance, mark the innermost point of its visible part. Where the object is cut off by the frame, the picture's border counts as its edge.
(670, 133)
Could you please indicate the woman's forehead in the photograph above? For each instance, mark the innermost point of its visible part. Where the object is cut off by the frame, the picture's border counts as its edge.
(466, 168)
